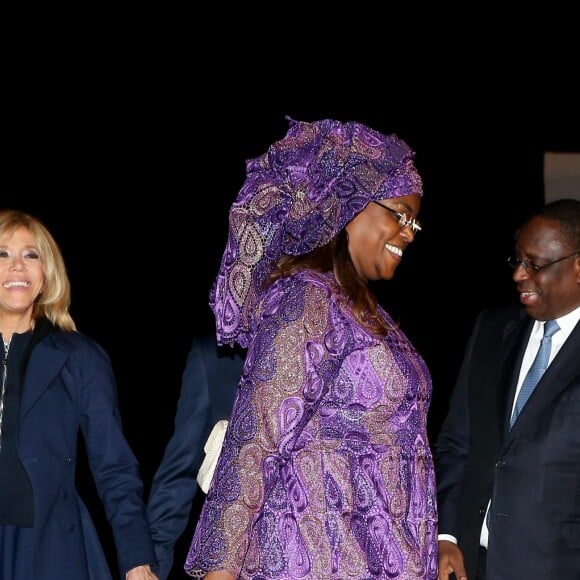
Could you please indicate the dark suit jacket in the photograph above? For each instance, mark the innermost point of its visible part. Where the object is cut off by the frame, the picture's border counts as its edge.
(69, 386)
(208, 389)
(531, 472)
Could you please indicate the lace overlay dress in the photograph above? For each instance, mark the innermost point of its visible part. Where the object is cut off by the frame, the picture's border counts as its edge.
(326, 470)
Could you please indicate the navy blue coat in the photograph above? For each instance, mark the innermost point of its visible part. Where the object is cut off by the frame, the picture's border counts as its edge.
(209, 385)
(69, 386)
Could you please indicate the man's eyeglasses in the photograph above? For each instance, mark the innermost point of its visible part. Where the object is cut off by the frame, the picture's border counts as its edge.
(405, 220)
(534, 268)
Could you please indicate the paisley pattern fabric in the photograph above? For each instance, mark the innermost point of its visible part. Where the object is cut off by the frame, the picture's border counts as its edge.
(297, 197)
(326, 470)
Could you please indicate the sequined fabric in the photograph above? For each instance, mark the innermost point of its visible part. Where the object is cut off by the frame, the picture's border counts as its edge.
(326, 470)
(297, 197)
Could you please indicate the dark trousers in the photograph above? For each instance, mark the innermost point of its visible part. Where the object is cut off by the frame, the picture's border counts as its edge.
(481, 564)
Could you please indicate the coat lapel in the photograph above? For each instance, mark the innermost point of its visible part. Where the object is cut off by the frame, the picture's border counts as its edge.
(44, 364)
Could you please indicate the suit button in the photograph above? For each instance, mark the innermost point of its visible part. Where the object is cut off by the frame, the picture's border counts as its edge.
(500, 464)
(481, 511)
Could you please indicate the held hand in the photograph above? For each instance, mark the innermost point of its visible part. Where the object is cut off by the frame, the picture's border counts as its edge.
(141, 573)
(450, 560)
(219, 575)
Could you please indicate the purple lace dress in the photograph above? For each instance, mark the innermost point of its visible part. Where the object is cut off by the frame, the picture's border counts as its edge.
(326, 470)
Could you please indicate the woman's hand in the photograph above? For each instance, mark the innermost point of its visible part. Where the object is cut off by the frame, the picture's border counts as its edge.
(219, 575)
(141, 573)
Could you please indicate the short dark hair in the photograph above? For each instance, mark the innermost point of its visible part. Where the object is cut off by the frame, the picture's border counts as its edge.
(567, 213)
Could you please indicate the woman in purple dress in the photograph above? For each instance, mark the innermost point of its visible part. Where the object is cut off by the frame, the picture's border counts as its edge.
(326, 470)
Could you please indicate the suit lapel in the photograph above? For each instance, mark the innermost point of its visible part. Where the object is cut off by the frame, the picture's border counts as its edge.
(514, 345)
(562, 370)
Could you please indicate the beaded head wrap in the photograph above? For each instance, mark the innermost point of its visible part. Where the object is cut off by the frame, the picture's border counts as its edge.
(297, 197)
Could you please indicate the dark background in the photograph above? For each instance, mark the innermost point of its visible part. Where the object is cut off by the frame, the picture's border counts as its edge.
(138, 203)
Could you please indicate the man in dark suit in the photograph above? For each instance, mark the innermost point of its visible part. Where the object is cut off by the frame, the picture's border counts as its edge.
(208, 389)
(526, 475)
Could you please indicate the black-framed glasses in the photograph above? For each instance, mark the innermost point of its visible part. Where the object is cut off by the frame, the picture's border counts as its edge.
(534, 268)
(405, 220)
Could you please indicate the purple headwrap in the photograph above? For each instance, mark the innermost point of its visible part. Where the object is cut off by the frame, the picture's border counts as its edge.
(297, 197)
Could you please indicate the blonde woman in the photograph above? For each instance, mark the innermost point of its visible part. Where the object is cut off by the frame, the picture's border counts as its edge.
(55, 382)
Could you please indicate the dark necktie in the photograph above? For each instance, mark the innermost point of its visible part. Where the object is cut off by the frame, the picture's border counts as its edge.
(537, 369)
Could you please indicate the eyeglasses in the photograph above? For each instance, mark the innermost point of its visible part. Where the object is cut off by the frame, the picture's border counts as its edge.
(534, 268)
(405, 220)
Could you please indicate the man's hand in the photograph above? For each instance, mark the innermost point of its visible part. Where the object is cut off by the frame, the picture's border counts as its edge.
(450, 560)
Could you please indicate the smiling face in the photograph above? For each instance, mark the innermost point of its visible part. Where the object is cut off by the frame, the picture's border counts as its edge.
(554, 289)
(376, 241)
(21, 275)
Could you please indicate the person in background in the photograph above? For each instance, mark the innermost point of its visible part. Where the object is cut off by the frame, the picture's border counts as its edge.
(208, 387)
(55, 383)
(508, 471)
(326, 469)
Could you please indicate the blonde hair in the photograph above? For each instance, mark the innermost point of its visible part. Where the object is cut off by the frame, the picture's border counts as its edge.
(54, 300)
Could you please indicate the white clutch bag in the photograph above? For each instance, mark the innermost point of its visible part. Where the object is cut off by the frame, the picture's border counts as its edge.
(212, 448)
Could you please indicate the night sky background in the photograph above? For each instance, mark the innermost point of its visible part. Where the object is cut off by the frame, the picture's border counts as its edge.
(137, 199)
